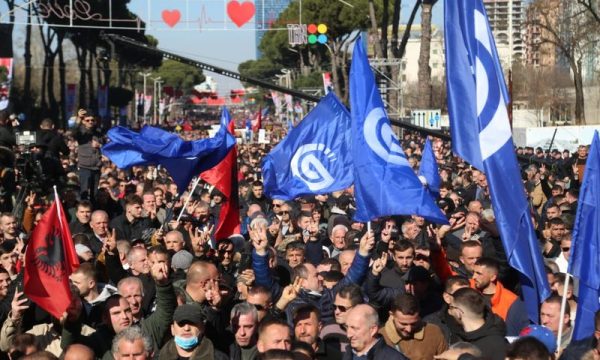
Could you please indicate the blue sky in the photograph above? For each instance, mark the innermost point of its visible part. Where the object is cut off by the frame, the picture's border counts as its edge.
(205, 33)
(220, 42)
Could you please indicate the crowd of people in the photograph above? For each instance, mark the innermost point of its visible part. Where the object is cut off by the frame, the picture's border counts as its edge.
(301, 280)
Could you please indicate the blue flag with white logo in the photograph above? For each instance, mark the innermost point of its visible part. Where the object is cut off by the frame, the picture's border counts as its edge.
(384, 182)
(182, 159)
(584, 261)
(429, 170)
(481, 135)
(314, 158)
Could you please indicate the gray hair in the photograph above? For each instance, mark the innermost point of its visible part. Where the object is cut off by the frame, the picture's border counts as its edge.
(244, 308)
(132, 334)
(339, 227)
(131, 255)
(130, 280)
(488, 215)
(254, 223)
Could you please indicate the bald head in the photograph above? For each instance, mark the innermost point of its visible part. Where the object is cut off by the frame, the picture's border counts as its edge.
(346, 257)
(365, 313)
(201, 271)
(99, 223)
(79, 352)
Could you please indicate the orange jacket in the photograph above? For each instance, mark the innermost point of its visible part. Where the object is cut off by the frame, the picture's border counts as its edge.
(501, 301)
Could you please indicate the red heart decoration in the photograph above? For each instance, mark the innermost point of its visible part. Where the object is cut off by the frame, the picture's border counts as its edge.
(171, 17)
(240, 13)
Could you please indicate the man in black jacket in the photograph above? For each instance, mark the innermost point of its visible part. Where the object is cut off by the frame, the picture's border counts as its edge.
(52, 139)
(132, 225)
(362, 323)
(480, 327)
(88, 138)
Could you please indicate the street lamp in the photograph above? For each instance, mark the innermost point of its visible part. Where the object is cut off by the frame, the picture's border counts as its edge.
(156, 81)
(145, 75)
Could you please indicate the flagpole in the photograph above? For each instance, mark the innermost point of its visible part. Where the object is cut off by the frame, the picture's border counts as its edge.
(188, 198)
(57, 201)
(563, 307)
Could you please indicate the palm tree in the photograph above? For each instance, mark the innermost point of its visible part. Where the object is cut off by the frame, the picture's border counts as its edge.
(424, 54)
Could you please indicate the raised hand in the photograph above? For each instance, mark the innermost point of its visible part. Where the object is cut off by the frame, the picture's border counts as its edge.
(199, 237)
(110, 244)
(258, 236)
(212, 293)
(289, 293)
(379, 264)
(30, 200)
(160, 273)
(367, 242)
(248, 277)
(18, 306)
(192, 206)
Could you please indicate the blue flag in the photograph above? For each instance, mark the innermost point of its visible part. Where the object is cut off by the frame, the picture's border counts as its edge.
(584, 261)
(429, 170)
(225, 118)
(314, 158)
(384, 182)
(182, 159)
(481, 135)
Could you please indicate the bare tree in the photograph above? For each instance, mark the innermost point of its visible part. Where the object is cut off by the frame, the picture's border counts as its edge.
(574, 32)
(593, 9)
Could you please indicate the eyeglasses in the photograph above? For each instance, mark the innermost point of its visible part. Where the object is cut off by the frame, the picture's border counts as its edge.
(285, 212)
(259, 307)
(421, 257)
(225, 251)
(277, 205)
(565, 249)
(342, 308)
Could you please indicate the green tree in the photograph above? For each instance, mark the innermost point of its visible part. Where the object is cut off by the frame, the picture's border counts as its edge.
(180, 76)
(344, 25)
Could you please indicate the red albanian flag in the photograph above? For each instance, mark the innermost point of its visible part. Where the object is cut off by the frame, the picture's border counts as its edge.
(224, 178)
(49, 260)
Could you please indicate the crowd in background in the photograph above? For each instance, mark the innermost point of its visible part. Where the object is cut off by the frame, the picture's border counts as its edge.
(301, 280)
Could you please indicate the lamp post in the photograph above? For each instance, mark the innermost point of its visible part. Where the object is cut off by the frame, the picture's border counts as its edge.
(156, 81)
(145, 75)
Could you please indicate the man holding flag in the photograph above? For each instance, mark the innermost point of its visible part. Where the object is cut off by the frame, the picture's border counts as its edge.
(481, 135)
(49, 261)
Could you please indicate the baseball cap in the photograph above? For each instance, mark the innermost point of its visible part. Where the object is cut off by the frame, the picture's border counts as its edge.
(541, 333)
(190, 313)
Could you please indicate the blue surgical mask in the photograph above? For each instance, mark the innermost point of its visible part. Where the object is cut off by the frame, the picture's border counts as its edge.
(186, 343)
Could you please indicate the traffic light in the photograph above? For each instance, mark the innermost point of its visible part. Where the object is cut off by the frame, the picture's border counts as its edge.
(317, 34)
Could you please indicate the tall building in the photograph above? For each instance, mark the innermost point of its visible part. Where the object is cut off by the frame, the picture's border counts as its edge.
(267, 11)
(539, 52)
(506, 19)
(409, 72)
